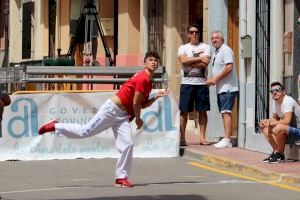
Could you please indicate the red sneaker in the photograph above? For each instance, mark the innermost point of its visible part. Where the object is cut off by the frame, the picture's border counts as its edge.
(123, 182)
(48, 127)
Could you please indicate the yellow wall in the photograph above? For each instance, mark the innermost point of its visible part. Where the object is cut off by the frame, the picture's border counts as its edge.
(106, 11)
(42, 37)
(64, 29)
(39, 43)
(15, 32)
(129, 27)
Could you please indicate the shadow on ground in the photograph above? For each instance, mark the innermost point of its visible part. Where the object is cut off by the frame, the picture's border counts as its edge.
(143, 197)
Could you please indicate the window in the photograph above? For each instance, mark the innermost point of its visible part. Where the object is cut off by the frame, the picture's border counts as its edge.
(262, 61)
(155, 26)
(52, 24)
(1, 23)
(27, 29)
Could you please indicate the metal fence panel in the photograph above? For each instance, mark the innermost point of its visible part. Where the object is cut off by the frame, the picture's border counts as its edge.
(262, 61)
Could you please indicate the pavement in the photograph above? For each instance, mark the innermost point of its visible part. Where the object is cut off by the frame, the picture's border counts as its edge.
(242, 161)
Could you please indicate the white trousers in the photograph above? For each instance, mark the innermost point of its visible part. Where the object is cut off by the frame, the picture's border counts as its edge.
(109, 116)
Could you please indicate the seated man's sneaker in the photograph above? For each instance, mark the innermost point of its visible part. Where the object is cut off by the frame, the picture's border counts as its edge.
(268, 158)
(224, 143)
(277, 158)
(123, 182)
(48, 127)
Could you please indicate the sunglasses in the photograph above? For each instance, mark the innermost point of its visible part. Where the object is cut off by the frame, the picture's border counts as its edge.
(276, 90)
(192, 32)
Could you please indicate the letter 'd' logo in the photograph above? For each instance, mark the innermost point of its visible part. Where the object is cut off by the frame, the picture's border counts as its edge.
(25, 121)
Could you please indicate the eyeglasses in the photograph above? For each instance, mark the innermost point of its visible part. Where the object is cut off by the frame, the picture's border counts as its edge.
(192, 32)
(276, 90)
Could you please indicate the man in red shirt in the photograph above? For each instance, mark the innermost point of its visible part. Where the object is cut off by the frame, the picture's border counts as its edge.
(116, 113)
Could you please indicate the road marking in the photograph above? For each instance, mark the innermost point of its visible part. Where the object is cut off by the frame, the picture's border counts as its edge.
(194, 176)
(200, 183)
(37, 190)
(146, 184)
(273, 183)
(81, 179)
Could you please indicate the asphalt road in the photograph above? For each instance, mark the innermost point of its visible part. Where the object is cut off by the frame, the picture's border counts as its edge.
(91, 179)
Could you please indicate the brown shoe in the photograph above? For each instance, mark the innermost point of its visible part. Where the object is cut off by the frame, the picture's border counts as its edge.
(204, 143)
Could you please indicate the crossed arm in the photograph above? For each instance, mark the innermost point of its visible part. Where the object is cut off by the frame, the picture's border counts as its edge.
(201, 61)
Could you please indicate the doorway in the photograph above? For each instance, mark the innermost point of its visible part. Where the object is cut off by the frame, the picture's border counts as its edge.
(233, 43)
(196, 15)
(52, 24)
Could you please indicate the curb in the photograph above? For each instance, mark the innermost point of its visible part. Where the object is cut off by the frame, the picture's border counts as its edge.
(241, 168)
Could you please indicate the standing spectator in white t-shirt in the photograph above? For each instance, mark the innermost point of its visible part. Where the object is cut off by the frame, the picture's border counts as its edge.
(285, 123)
(194, 94)
(225, 78)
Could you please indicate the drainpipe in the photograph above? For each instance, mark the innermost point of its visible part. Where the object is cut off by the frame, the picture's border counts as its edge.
(144, 24)
(276, 40)
(6, 13)
(242, 77)
(58, 27)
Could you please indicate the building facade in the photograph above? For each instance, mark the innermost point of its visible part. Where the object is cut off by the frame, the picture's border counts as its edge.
(263, 34)
(4, 25)
(41, 29)
(269, 47)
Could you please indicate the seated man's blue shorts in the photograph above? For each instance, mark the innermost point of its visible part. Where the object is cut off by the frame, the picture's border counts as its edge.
(293, 134)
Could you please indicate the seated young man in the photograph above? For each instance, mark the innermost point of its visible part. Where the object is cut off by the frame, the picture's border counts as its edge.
(280, 126)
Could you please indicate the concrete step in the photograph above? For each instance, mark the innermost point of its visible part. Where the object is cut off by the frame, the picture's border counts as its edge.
(292, 151)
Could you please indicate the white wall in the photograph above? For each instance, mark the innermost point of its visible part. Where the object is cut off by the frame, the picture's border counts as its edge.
(217, 20)
(39, 38)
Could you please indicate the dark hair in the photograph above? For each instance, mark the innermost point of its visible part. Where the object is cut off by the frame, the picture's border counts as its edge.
(5, 98)
(192, 25)
(277, 83)
(151, 54)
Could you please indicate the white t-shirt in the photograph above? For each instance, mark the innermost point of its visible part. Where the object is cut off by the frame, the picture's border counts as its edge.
(222, 56)
(194, 75)
(288, 105)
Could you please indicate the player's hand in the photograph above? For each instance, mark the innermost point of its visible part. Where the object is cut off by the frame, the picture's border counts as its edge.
(139, 123)
(162, 93)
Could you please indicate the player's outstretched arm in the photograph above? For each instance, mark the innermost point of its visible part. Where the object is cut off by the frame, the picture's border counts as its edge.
(160, 93)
